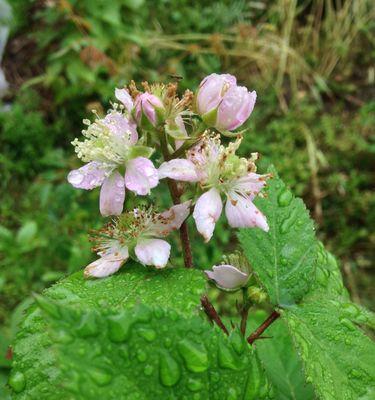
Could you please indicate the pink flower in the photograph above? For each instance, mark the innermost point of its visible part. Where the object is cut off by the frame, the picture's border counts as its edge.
(222, 103)
(220, 172)
(150, 106)
(228, 277)
(111, 143)
(137, 232)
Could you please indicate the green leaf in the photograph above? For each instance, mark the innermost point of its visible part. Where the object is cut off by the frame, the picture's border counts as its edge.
(178, 289)
(140, 352)
(280, 360)
(284, 257)
(173, 288)
(338, 358)
(27, 233)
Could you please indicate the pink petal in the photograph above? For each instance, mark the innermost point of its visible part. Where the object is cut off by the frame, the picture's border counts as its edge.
(227, 276)
(211, 92)
(241, 213)
(250, 184)
(112, 195)
(180, 123)
(153, 252)
(121, 127)
(206, 212)
(89, 176)
(171, 219)
(236, 107)
(125, 98)
(141, 176)
(145, 103)
(178, 169)
(105, 266)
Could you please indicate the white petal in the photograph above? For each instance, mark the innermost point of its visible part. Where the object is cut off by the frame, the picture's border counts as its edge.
(171, 219)
(153, 252)
(242, 213)
(89, 176)
(141, 176)
(105, 266)
(178, 169)
(112, 195)
(206, 212)
(227, 276)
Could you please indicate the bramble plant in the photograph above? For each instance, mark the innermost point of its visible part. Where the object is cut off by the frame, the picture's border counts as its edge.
(142, 332)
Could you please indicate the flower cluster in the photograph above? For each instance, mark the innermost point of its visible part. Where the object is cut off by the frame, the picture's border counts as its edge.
(153, 135)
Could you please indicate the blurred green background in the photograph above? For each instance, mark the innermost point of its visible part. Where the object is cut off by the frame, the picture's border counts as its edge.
(311, 62)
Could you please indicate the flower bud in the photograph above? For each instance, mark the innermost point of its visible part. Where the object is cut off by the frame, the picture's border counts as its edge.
(256, 294)
(149, 106)
(228, 277)
(222, 104)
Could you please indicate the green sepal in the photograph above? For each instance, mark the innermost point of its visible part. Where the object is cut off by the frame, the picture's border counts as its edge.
(140, 151)
(174, 131)
(210, 117)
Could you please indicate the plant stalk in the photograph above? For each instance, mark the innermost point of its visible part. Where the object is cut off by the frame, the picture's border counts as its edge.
(246, 304)
(176, 198)
(258, 332)
(212, 314)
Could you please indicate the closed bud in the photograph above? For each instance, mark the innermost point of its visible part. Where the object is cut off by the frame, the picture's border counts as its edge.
(222, 104)
(149, 109)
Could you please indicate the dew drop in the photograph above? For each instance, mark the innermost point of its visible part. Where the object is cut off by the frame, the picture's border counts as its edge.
(194, 355)
(195, 385)
(226, 357)
(17, 381)
(61, 336)
(88, 326)
(141, 356)
(75, 177)
(119, 327)
(285, 197)
(148, 370)
(100, 377)
(169, 371)
(147, 334)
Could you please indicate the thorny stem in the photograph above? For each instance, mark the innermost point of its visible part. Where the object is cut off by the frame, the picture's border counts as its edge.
(246, 304)
(184, 232)
(257, 333)
(176, 198)
(212, 314)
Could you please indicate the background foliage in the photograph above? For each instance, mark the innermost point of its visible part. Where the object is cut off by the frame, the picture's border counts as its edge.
(311, 63)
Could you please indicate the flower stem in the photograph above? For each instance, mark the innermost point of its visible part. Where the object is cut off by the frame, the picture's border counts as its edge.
(257, 333)
(212, 314)
(246, 304)
(176, 198)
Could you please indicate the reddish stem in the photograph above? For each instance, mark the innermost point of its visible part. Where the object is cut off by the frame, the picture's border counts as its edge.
(212, 314)
(257, 333)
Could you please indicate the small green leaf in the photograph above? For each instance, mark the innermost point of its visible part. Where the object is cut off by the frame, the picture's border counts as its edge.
(284, 257)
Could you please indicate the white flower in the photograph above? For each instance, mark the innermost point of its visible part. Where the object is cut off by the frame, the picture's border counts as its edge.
(220, 171)
(110, 143)
(138, 231)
